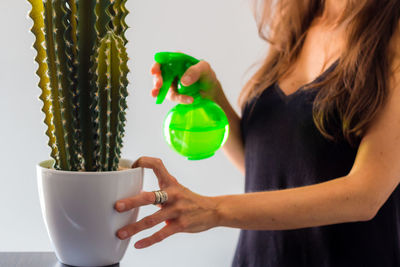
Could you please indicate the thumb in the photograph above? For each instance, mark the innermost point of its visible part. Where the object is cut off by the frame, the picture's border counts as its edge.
(191, 75)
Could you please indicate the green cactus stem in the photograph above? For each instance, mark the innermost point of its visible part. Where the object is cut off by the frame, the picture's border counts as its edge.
(86, 41)
(119, 70)
(103, 25)
(111, 70)
(119, 23)
(38, 25)
(60, 48)
(71, 74)
(82, 73)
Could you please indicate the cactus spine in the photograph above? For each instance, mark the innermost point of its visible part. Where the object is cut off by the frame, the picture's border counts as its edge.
(82, 73)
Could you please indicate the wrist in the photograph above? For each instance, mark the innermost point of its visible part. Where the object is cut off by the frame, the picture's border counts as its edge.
(217, 211)
(220, 97)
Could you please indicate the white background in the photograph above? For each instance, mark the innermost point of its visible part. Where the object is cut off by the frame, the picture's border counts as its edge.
(222, 32)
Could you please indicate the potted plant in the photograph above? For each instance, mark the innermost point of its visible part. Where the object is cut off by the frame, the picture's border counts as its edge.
(82, 58)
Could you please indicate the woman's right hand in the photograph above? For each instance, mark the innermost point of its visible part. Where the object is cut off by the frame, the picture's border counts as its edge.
(201, 72)
(211, 89)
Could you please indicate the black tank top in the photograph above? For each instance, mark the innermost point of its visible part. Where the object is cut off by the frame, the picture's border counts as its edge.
(284, 149)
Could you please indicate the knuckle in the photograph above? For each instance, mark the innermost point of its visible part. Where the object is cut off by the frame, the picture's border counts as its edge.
(148, 197)
(172, 91)
(129, 203)
(173, 193)
(179, 209)
(181, 98)
(182, 225)
(173, 179)
(160, 164)
(140, 160)
(149, 222)
(170, 95)
(173, 97)
(158, 161)
(205, 65)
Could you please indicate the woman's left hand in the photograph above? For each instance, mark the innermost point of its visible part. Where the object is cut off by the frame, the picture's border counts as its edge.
(184, 210)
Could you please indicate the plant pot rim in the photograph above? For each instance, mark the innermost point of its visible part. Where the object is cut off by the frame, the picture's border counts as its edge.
(46, 166)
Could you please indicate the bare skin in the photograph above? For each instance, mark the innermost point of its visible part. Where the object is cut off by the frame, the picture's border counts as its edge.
(321, 49)
(355, 197)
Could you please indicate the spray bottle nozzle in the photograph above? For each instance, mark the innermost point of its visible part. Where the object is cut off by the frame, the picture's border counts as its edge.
(173, 66)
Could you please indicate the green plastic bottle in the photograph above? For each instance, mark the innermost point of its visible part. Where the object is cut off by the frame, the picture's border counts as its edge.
(197, 130)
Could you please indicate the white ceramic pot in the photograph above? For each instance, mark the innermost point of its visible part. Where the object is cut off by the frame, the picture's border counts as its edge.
(78, 210)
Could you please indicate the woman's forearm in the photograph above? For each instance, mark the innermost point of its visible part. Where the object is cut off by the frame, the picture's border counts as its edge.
(233, 147)
(331, 202)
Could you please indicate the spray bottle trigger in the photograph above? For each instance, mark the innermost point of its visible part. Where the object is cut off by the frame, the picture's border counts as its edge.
(173, 66)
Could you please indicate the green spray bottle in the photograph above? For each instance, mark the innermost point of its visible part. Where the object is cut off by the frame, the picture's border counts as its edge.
(197, 130)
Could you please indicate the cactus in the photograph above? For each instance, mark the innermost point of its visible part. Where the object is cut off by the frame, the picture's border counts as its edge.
(82, 58)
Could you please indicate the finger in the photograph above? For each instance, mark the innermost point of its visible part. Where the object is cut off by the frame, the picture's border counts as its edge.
(176, 97)
(173, 95)
(156, 164)
(194, 73)
(155, 69)
(154, 92)
(158, 81)
(145, 223)
(159, 236)
(143, 198)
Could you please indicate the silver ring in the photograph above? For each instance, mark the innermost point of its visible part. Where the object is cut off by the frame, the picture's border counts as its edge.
(161, 197)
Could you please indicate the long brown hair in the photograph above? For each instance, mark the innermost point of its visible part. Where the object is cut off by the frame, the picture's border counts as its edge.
(357, 88)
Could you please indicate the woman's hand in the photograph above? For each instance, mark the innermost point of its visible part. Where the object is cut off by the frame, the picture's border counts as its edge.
(184, 210)
(201, 72)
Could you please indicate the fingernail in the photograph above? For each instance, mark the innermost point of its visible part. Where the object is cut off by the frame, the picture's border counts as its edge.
(121, 206)
(187, 79)
(188, 100)
(123, 234)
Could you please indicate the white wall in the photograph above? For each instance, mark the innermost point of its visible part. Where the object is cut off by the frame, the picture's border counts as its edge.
(222, 32)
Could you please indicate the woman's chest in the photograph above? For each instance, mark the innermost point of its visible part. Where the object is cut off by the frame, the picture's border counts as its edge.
(284, 148)
(321, 47)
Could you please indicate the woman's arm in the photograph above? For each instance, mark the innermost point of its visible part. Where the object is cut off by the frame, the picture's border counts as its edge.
(203, 73)
(337, 201)
(234, 147)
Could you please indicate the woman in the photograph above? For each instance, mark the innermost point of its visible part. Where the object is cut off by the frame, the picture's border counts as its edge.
(319, 142)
